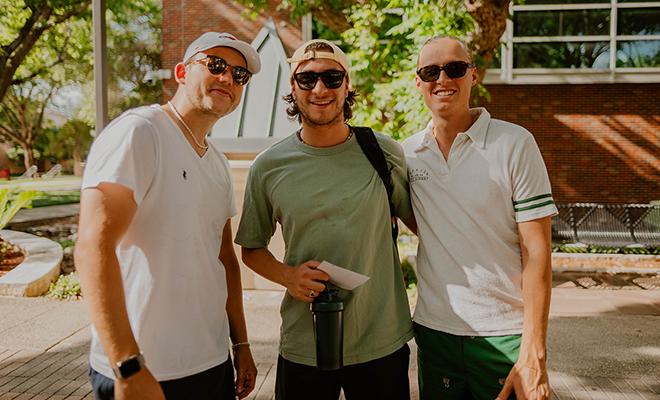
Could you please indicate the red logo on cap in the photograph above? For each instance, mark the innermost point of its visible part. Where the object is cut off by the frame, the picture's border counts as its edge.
(226, 36)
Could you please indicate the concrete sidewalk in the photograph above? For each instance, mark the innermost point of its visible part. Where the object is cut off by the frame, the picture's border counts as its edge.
(603, 344)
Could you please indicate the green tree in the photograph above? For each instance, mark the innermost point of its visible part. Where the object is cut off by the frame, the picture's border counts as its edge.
(33, 40)
(383, 37)
(71, 141)
(22, 117)
(59, 55)
(134, 48)
(489, 16)
(383, 43)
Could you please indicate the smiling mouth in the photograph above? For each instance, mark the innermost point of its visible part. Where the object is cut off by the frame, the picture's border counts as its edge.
(444, 92)
(321, 103)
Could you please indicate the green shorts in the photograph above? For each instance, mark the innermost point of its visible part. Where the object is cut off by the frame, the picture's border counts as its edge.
(463, 367)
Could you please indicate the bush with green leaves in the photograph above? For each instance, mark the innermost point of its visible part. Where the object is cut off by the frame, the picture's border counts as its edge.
(67, 287)
(12, 201)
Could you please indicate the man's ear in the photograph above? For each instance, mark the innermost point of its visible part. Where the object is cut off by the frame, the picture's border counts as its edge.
(473, 73)
(180, 73)
(293, 88)
(418, 83)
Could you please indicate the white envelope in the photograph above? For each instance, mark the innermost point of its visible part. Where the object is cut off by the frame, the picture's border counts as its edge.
(342, 277)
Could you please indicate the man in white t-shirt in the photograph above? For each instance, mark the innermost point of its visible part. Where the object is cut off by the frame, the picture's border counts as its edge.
(154, 251)
(483, 204)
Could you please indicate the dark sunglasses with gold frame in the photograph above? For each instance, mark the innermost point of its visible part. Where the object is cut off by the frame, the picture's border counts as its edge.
(217, 65)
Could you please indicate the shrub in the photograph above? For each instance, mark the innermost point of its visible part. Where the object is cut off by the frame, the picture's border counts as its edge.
(10, 203)
(409, 275)
(67, 287)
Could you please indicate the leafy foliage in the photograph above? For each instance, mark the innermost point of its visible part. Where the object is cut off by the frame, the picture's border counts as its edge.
(10, 203)
(383, 45)
(67, 287)
(22, 117)
(46, 54)
(382, 38)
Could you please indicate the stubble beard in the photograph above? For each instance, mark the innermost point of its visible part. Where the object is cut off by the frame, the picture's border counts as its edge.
(315, 122)
(204, 104)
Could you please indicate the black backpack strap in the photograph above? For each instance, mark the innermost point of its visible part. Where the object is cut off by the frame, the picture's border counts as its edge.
(370, 147)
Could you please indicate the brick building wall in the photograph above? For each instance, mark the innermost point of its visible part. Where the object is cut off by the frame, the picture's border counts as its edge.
(601, 142)
(184, 20)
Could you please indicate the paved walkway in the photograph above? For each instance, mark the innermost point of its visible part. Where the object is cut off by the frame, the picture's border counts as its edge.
(28, 216)
(603, 344)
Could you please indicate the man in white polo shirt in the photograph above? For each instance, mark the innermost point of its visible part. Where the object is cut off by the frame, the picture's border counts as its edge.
(154, 252)
(483, 203)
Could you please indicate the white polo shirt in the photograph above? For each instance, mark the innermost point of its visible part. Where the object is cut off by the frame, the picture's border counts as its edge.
(467, 208)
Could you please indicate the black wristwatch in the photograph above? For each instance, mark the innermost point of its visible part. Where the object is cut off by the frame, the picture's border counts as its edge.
(128, 367)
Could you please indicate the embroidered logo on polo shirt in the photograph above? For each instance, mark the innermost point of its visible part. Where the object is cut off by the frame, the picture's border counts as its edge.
(418, 174)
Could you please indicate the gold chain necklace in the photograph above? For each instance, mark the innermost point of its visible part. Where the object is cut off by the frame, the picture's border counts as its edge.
(178, 116)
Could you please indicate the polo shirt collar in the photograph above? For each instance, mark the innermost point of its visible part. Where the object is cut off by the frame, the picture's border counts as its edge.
(476, 132)
(429, 138)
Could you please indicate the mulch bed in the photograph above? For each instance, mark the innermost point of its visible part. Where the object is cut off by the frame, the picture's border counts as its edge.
(10, 256)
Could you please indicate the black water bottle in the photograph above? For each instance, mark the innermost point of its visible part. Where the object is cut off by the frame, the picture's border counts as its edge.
(328, 309)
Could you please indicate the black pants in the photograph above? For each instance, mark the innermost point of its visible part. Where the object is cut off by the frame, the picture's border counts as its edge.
(382, 379)
(216, 383)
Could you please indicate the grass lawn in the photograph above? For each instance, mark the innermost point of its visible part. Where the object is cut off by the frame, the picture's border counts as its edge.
(52, 198)
(64, 189)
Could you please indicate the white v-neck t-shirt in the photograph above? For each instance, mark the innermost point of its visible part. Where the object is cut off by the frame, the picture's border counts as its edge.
(175, 285)
(468, 208)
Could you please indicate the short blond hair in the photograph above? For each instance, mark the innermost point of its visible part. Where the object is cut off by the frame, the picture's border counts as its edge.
(460, 41)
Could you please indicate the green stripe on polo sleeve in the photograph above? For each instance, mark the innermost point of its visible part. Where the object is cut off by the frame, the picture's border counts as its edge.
(533, 202)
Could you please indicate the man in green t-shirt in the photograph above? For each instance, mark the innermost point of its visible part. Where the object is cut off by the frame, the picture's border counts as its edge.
(332, 206)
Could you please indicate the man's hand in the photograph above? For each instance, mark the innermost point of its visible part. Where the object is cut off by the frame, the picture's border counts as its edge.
(304, 282)
(141, 386)
(246, 371)
(527, 383)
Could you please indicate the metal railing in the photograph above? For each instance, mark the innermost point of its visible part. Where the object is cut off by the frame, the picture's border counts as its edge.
(615, 225)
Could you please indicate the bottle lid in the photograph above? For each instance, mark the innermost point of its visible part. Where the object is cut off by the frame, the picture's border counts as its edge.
(327, 306)
(327, 301)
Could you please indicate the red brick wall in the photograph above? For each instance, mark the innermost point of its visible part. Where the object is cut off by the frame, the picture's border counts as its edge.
(184, 20)
(601, 143)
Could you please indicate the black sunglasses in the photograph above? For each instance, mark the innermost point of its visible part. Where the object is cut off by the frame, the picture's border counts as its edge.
(217, 66)
(454, 69)
(332, 79)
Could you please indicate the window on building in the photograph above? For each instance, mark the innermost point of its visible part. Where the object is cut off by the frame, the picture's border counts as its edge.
(580, 41)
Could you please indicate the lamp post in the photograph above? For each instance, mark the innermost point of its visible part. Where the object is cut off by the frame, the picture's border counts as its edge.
(100, 65)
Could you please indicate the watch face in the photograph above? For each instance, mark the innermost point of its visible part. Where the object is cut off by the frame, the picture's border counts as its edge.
(129, 367)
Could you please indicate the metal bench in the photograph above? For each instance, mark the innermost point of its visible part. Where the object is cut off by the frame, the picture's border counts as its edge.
(615, 225)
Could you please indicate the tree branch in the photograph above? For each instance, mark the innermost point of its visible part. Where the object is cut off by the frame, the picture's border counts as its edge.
(12, 55)
(60, 59)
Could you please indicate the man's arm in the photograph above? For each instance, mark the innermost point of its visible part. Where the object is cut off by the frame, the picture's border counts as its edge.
(529, 377)
(246, 371)
(300, 281)
(106, 212)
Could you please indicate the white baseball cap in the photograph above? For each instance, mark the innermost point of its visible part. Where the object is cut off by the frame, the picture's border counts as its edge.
(209, 40)
(335, 54)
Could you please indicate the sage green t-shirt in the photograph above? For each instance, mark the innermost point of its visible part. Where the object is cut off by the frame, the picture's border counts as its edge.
(332, 206)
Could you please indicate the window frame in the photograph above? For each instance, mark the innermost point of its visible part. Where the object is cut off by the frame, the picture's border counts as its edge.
(506, 74)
